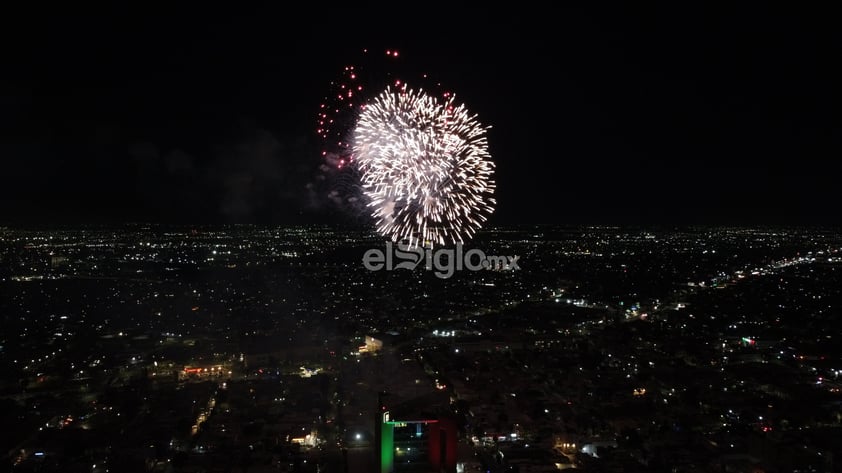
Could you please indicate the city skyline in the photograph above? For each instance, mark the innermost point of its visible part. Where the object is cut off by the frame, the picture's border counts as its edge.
(260, 348)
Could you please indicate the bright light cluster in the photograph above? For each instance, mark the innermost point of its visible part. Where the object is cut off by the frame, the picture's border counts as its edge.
(425, 165)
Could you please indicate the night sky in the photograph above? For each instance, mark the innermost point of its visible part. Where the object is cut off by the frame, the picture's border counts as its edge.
(190, 114)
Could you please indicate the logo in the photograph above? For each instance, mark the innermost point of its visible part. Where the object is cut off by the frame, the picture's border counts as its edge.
(444, 261)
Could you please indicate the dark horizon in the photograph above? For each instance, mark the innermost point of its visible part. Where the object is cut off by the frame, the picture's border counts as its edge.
(624, 116)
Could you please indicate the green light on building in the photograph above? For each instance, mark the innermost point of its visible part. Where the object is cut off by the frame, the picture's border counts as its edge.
(387, 445)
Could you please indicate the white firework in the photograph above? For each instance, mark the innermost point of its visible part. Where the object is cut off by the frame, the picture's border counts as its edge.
(426, 169)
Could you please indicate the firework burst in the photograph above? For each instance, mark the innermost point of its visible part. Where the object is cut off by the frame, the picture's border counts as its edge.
(425, 167)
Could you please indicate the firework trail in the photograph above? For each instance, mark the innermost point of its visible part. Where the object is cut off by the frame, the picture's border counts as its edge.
(425, 165)
(338, 180)
(339, 110)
